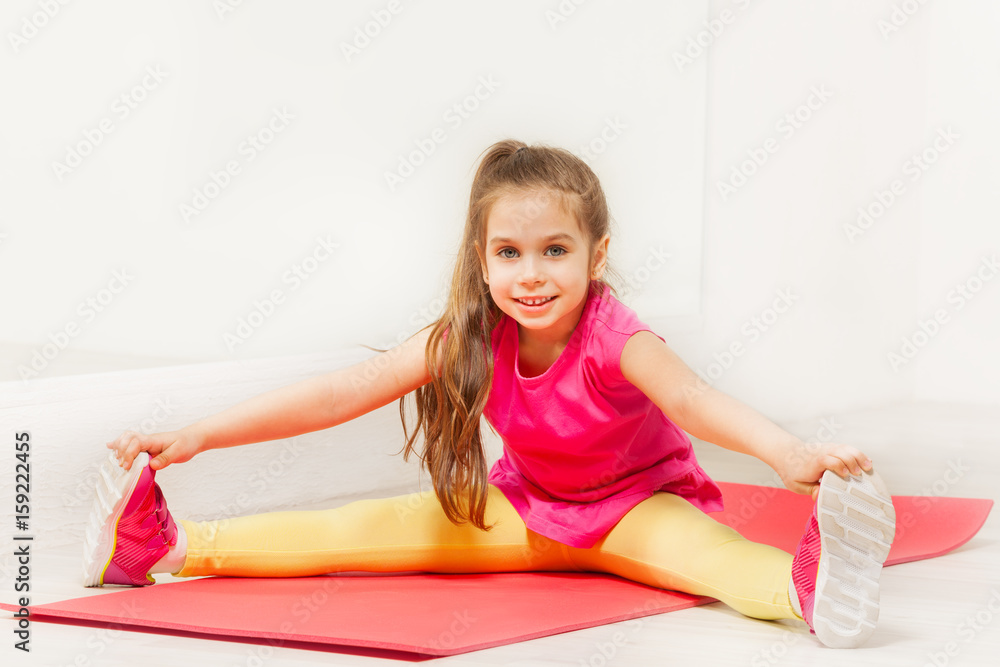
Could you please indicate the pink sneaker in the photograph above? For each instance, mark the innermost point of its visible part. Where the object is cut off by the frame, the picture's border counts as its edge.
(129, 529)
(839, 559)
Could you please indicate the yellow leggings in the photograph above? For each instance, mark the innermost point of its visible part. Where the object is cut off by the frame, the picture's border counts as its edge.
(664, 541)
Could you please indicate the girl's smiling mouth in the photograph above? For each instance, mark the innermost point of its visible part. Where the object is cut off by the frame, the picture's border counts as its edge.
(536, 304)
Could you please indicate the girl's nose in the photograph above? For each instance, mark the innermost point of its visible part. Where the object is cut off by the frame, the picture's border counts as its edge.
(530, 273)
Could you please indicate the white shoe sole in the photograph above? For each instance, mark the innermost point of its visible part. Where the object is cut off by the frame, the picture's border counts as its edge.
(857, 523)
(114, 486)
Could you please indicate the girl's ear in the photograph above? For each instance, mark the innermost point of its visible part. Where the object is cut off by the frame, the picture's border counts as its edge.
(600, 257)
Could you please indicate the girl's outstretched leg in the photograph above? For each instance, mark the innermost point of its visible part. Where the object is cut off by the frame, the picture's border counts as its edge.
(667, 542)
(398, 534)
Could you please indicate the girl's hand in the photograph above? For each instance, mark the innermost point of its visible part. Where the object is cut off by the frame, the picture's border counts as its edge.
(163, 448)
(803, 465)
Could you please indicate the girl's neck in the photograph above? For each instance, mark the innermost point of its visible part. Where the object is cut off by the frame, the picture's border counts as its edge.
(539, 349)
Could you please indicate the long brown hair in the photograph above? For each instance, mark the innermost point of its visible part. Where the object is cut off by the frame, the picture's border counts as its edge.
(449, 407)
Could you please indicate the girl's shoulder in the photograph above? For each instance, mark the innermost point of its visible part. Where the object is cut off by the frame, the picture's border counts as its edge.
(611, 327)
(613, 316)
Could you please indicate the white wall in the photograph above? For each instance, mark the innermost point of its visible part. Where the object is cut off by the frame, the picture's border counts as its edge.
(784, 229)
(595, 79)
(959, 224)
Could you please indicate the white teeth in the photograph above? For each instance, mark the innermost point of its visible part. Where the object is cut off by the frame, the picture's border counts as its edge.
(535, 302)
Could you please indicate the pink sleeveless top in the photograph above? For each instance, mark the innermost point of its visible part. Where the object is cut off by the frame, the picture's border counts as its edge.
(581, 444)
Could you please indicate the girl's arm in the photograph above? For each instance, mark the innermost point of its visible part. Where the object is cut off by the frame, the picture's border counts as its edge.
(310, 405)
(710, 415)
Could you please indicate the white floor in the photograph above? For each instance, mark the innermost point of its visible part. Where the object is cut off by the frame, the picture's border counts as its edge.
(941, 611)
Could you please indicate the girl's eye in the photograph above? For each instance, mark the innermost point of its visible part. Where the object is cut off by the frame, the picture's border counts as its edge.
(562, 251)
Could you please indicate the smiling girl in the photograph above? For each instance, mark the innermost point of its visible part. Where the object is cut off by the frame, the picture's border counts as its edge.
(597, 472)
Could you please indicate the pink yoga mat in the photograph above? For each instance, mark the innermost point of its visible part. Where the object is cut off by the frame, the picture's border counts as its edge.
(418, 615)
(926, 526)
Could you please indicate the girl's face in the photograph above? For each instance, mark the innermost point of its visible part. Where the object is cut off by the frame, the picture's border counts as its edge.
(537, 263)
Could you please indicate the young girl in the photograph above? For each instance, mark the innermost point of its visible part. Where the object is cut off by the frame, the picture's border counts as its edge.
(596, 472)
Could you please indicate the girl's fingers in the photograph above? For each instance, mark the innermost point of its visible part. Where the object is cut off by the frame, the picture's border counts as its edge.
(130, 444)
(842, 460)
(845, 460)
(852, 458)
(836, 464)
(128, 451)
